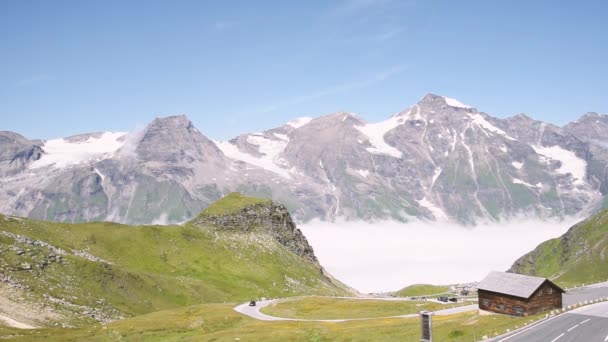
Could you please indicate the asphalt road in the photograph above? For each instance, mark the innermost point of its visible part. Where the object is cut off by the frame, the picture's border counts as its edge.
(588, 324)
(582, 294)
(254, 312)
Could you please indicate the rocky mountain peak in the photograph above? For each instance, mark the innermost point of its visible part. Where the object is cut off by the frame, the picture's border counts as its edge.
(433, 100)
(592, 115)
(238, 213)
(175, 139)
(590, 127)
(522, 117)
(430, 98)
(338, 118)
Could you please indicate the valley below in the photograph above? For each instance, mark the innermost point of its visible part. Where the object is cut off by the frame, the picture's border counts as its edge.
(386, 256)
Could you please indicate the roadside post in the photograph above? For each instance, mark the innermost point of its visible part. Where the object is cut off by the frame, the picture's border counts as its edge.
(426, 324)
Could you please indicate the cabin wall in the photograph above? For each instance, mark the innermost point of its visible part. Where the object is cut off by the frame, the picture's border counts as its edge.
(547, 297)
(501, 303)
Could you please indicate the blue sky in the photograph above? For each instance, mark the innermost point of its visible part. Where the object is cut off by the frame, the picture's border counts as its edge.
(69, 67)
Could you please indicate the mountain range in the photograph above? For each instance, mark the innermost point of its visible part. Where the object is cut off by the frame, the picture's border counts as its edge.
(438, 160)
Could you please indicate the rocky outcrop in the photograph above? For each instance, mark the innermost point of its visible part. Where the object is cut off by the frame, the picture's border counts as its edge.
(270, 217)
(16, 152)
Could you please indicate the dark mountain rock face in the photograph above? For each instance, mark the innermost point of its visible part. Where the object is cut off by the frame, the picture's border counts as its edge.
(175, 139)
(436, 160)
(16, 152)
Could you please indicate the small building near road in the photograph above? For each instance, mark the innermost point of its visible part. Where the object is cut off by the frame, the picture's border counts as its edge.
(518, 295)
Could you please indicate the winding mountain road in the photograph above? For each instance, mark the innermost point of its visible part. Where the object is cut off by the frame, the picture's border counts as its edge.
(254, 312)
(572, 297)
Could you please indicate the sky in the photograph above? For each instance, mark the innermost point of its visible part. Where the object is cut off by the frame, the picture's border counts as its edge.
(69, 67)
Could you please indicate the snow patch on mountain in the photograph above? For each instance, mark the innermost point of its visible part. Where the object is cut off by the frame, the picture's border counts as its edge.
(455, 103)
(268, 147)
(362, 173)
(299, 122)
(517, 165)
(281, 136)
(571, 164)
(100, 175)
(519, 181)
(439, 214)
(375, 135)
(480, 121)
(436, 174)
(63, 153)
(266, 162)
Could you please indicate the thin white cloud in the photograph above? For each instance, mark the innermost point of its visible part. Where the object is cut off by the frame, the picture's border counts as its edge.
(221, 25)
(379, 76)
(34, 79)
(354, 6)
(390, 34)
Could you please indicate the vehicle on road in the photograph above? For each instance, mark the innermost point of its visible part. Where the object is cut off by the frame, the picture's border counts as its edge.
(252, 303)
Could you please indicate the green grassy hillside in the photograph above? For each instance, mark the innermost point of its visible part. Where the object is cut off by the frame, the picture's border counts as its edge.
(104, 271)
(422, 290)
(339, 308)
(233, 203)
(218, 322)
(577, 257)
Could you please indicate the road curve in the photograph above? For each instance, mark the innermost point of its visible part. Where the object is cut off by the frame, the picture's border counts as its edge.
(588, 323)
(572, 297)
(254, 312)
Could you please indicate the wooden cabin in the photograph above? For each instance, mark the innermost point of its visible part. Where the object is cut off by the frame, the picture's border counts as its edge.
(517, 294)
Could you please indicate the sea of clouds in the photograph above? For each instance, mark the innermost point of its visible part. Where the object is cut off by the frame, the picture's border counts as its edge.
(387, 256)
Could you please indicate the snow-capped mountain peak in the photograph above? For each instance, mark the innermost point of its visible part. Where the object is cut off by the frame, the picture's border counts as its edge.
(436, 160)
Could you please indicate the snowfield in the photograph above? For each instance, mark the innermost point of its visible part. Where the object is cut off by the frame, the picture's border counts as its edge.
(455, 103)
(269, 148)
(299, 122)
(375, 135)
(571, 164)
(62, 153)
(387, 256)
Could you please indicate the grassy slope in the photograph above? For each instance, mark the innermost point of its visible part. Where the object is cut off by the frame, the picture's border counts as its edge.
(232, 203)
(422, 290)
(577, 257)
(218, 322)
(336, 308)
(157, 267)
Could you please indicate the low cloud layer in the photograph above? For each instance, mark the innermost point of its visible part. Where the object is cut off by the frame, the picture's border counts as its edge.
(386, 256)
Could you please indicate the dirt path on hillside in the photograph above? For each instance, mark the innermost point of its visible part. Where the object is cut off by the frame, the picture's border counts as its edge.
(15, 324)
(17, 312)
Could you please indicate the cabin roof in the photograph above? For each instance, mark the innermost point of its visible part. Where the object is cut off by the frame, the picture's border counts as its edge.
(513, 284)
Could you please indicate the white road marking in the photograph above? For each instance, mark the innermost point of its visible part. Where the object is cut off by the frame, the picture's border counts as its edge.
(532, 327)
(557, 338)
(585, 321)
(606, 339)
(574, 327)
